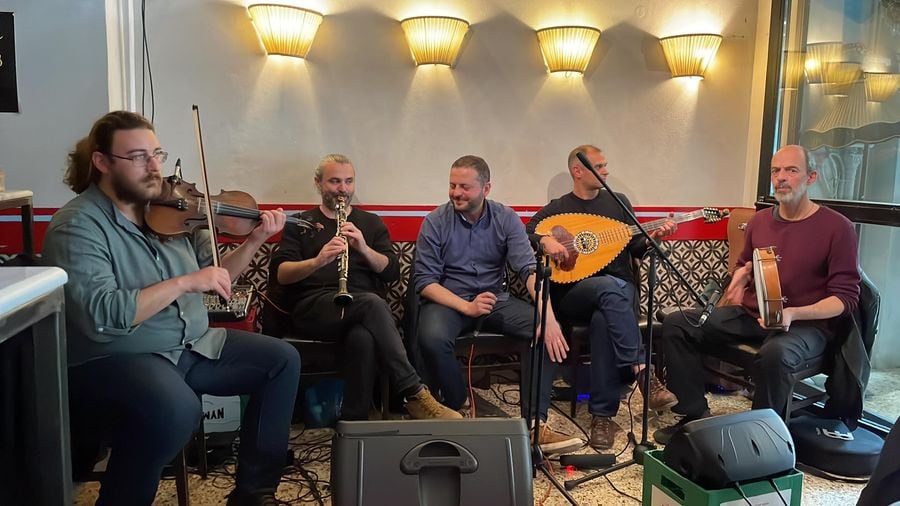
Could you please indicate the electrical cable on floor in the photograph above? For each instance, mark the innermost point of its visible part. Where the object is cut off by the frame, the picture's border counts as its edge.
(613, 485)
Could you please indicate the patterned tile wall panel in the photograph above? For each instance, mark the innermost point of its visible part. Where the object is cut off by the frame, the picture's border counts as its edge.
(696, 260)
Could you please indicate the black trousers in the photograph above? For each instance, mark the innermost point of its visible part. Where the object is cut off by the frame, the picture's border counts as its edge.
(779, 356)
(368, 336)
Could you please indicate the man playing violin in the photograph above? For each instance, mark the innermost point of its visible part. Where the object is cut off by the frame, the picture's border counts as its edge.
(303, 279)
(605, 301)
(819, 279)
(140, 348)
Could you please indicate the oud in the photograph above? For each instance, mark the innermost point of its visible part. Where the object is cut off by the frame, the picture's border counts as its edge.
(594, 241)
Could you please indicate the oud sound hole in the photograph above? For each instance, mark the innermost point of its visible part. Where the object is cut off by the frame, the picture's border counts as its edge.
(586, 242)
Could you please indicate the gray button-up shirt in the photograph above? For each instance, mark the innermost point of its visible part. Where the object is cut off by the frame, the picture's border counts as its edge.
(109, 260)
(470, 258)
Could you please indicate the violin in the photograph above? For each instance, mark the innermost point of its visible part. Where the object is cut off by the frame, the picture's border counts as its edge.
(182, 209)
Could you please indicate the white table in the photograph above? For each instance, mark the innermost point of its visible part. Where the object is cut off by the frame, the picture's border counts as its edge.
(23, 200)
(32, 308)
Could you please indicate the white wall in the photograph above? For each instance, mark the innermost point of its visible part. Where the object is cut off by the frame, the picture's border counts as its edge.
(61, 67)
(267, 120)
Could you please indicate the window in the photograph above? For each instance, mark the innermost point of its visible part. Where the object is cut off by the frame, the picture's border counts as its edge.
(834, 73)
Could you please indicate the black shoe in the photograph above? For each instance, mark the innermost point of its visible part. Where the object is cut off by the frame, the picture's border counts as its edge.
(264, 497)
(662, 436)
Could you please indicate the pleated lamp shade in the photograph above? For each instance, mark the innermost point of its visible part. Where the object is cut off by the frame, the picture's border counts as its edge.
(285, 30)
(690, 55)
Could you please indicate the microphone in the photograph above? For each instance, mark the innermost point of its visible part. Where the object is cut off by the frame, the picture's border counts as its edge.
(590, 461)
(711, 300)
(584, 160)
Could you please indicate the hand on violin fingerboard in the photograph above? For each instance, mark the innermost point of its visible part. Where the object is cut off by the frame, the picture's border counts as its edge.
(271, 222)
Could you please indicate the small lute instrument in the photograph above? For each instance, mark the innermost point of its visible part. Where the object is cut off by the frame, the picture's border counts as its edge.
(594, 241)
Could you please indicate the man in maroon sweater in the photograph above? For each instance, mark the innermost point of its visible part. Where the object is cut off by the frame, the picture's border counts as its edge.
(819, 278)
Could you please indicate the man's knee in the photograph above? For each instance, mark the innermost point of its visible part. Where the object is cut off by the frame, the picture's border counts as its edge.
(372, 302)
(434, 341)
(167, 418)
(776, 356)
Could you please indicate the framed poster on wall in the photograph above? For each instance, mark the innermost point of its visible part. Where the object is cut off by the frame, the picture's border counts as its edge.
(9, 96)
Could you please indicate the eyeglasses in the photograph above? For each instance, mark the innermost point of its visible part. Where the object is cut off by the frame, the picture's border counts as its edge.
(142, 159)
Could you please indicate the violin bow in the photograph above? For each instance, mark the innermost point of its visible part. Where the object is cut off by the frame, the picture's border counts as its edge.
(213, 239)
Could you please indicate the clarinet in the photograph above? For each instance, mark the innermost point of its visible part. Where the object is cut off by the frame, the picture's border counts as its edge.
(342, 297)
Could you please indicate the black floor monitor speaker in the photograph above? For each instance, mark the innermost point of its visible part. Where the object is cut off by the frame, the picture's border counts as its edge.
(432, 463)
(718, 451)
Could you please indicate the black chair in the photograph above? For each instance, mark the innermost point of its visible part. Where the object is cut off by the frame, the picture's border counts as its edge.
(579, 340)
(319, 357)
(742, 355)
(484, 347)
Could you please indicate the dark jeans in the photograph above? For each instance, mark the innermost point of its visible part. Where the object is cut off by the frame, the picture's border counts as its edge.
(778, 358)
(367, 332)
(147, 408)
(438, 328)
(606, 305)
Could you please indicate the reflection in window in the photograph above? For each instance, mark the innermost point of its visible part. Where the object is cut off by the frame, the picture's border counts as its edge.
(839, 76)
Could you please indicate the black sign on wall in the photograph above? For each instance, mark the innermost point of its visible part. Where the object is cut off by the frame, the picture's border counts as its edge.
(9, 96)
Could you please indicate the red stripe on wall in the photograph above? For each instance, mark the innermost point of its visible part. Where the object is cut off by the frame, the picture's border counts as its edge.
(403, 222)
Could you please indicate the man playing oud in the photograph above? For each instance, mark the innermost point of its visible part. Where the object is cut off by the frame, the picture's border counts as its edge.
(604, 300)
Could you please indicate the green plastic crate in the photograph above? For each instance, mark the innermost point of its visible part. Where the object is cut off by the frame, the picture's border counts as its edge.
(665, 487)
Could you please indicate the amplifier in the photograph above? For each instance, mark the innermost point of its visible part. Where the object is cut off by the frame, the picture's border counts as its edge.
(233, 310)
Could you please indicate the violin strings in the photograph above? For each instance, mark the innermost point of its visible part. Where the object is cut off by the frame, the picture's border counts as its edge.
(244, 212)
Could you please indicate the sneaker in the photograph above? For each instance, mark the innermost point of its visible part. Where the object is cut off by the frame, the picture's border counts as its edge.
(554, 442)
(664, 435)
(423, 405)
(603, 432)
(660, 397)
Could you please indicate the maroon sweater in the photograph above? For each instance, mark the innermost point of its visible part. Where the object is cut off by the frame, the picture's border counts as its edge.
(818, 259)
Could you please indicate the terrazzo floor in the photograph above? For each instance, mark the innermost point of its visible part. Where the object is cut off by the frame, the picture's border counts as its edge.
(313, 446)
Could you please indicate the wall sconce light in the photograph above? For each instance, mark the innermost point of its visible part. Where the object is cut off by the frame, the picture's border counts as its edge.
(840, 76)
(793, 69)
(880, 87)
(817, 55)
(285, 30)
(690, 55)
(567, 48)
(435, 39)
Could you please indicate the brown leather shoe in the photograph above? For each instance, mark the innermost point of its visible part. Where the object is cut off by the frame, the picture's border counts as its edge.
(603, 432)
(553, 442)
(423, 405)
(660, 397)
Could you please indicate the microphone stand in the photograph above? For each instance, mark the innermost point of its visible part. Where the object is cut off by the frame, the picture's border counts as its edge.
(536, 371)
(655, 252)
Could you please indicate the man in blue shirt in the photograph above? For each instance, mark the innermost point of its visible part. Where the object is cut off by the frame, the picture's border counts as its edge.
(140, 348)
(462, 253)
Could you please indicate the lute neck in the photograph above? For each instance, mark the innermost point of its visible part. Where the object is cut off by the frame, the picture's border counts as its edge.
(655, 224)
